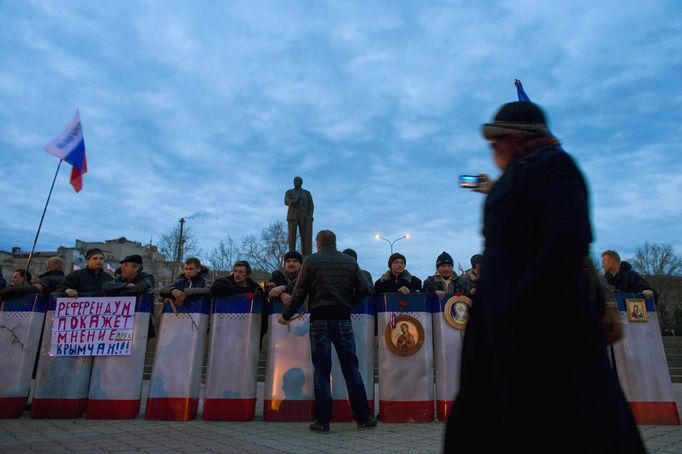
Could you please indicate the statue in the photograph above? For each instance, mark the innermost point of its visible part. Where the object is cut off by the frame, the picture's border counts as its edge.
(300, 203)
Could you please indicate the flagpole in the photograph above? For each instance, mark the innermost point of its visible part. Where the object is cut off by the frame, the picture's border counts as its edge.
(33, 248)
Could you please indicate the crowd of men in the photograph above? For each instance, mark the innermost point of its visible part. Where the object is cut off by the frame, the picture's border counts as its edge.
(331, 281)
(130, 278)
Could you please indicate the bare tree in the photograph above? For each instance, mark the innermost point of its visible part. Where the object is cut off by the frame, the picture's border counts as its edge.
(223, 256)
(655, 259)
(267, 252)
(662, 268)
(169, 243)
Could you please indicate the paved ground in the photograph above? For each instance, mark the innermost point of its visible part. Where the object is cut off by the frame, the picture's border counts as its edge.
(138, 435)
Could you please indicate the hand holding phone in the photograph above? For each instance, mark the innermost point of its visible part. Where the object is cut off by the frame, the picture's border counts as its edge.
(477, 183)
(469, 181)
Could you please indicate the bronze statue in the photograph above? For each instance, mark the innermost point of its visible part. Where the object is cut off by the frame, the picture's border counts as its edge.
(300, 203)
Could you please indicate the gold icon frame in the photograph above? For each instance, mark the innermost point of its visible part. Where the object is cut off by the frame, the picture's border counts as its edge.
(453, 309)
(404, 343)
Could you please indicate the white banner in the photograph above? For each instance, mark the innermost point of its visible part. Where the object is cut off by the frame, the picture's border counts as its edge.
(93, 326)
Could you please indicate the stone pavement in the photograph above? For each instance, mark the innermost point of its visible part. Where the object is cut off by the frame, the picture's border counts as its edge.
(138, 435)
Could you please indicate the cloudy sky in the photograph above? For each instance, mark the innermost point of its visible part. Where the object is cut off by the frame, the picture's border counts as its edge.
(213, 107)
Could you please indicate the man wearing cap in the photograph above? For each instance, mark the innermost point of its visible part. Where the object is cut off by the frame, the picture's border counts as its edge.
(473, 274)
(282, 282)
(132, 280)
(90, 279)
(533, 351)
(280, 285)
(397, 278)
(444, 282)
(239, 281)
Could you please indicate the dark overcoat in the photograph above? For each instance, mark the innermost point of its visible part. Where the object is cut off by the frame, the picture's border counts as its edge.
(535, 373)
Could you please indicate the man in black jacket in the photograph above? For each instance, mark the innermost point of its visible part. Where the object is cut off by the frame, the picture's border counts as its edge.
(132, 280)
(90, 279)
(282, 282)
(334, 284)
(445, 282)
(46, 283)
(622, 278)
(237, 282)
(397, 278)
(195, 275)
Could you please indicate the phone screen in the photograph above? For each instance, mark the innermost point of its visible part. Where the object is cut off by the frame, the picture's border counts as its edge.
(468, 181)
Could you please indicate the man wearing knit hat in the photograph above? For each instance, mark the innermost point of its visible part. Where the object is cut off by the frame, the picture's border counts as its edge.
(281, 285)
(397, 278)
(282, 281)
(444, 282)
(90, 279)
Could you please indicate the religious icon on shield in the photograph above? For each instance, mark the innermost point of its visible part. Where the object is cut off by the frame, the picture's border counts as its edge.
(456, 311)
(404, 335)
(636, 310)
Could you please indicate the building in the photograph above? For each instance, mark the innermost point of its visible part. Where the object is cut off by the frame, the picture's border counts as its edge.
(74, 258)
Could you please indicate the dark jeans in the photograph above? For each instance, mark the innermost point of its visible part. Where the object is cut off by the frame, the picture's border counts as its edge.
(340, 332)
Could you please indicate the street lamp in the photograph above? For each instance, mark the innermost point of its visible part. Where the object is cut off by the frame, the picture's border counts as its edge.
(379, 237)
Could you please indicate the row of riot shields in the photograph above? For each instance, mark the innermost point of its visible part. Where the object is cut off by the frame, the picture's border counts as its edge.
(418, 339)
(66, 386)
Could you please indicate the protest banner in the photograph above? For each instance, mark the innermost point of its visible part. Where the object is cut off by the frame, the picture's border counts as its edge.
(93, 326)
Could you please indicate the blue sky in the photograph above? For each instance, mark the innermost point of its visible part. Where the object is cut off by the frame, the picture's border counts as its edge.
(214, 107)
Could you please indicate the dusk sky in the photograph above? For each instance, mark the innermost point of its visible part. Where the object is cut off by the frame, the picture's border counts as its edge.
(212, 108)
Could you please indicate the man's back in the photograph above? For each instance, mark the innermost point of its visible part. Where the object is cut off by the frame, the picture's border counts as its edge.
(333, 281)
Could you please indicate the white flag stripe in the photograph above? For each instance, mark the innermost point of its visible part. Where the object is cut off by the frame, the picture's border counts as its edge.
(62, 145)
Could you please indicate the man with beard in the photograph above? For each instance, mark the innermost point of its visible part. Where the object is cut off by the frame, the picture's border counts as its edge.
(282, 282)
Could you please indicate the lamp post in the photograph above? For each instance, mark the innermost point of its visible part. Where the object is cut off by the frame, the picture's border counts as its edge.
(379, 237)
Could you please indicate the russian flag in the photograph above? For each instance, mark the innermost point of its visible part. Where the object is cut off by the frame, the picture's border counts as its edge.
(69, 146)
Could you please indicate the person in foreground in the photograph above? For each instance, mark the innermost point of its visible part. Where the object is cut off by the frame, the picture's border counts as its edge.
(334, 283)
(535, 372)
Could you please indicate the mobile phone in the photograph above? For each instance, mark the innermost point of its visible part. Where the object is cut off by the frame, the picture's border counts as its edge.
(470, 181)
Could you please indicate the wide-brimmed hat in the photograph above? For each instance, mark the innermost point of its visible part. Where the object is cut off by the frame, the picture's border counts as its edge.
(517, 118)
